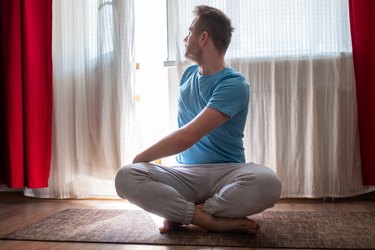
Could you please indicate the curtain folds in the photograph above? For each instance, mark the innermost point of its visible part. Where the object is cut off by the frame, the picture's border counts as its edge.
(362, 25)
(25, 92)
(303, 124)
(93, 110)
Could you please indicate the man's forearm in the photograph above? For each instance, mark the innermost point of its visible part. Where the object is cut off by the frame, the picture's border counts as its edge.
(174, 143)
(185, 137)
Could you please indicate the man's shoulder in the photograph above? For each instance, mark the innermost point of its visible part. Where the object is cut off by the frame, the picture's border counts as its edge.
(192, 69)
(232, 73)
(232, 77)
(189, 71)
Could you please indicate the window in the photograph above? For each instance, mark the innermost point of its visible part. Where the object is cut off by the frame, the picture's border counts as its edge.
(265, 28)
(100, 21)
(151, 79)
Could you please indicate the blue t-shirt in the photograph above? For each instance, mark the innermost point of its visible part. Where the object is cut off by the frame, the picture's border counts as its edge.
(226, 91)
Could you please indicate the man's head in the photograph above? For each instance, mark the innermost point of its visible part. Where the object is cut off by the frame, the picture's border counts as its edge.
(215, 23)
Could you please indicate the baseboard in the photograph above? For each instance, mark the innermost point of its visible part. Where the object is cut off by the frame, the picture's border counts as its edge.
(4, 188)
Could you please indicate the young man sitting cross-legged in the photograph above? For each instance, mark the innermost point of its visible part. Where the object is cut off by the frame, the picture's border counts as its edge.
(213, 187)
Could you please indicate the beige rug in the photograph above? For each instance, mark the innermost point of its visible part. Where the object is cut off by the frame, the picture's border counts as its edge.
(278, 230)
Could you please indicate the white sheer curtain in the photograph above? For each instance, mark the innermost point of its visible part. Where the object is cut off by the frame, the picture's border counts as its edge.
(303, 118)
(93, 100)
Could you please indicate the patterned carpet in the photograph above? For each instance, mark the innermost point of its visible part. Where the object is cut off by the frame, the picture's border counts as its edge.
(278, 230)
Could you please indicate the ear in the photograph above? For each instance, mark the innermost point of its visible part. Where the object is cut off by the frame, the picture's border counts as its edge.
(203, 38)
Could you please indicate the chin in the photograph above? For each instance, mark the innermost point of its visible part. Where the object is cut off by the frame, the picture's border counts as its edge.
(192, 58)
(189, 58)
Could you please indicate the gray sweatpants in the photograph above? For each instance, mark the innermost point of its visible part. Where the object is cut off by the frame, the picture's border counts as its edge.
(231, 190)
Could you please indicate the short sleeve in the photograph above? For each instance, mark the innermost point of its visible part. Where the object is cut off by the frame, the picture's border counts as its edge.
(191, 70)
(230, 96)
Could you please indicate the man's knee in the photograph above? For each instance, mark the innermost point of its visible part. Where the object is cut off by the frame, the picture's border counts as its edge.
(263, 190)
(128, 177)
(269, 186)
(254, 190)
(122, 180)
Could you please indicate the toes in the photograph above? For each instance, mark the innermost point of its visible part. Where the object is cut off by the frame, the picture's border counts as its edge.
(169, 226)
(254, 224)
(163, 230)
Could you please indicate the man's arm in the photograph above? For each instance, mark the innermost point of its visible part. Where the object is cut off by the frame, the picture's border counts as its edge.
(206, 121)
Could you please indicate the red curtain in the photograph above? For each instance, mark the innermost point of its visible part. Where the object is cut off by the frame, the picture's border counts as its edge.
(25, 92)
(362, 23)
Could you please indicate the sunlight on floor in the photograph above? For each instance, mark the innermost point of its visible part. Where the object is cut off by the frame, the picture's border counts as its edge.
(122, 205)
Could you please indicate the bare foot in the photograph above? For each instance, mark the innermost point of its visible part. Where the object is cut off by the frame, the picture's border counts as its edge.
(218, 224)
(169, 226)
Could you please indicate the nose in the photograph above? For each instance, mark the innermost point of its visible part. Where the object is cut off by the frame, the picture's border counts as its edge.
(185, 39)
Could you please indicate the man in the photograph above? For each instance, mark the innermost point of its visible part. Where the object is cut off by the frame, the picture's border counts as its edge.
(213, 188)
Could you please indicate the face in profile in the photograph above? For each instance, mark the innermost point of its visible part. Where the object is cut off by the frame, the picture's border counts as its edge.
(193, 52)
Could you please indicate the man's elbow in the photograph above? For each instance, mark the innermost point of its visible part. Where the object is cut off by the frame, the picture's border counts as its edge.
(187, 139)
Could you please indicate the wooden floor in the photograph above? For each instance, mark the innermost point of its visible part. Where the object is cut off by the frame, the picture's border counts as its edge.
(17, 211)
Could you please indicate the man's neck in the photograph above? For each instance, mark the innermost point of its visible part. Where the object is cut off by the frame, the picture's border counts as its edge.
(212, 67)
